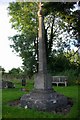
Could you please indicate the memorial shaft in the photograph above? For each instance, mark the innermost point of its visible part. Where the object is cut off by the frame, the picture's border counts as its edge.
(42, 51)
(42, 80)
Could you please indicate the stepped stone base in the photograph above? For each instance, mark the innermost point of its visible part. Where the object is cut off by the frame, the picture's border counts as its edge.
(44, 100)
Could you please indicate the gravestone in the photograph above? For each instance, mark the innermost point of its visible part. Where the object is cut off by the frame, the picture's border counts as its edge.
(23, 81)
(43, 97)
(23, 84)
(6, 84)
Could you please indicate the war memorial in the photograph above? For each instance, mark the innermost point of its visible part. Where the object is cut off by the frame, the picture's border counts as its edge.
(43, 97)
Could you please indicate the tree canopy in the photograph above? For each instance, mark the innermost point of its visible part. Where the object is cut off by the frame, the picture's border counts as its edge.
(60, 28)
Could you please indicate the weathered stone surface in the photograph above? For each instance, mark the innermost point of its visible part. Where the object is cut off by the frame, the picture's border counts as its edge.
(44, 100)
(6, 84)
(60, 110)
(42, 81)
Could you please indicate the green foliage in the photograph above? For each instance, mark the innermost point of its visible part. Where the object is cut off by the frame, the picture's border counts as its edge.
(58, 21)
(24, 45)
(58, 63)
(15, 73)
(73, 56)
(63, 7)
(24, 20)
(72, 19)
(23, 16)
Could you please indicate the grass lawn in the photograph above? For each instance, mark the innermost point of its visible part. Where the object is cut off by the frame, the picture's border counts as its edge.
(18, 112)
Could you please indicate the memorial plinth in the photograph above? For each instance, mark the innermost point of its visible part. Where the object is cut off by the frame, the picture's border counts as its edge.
(43, 97)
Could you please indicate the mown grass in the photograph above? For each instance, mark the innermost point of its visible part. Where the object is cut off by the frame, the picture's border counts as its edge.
(18, 112)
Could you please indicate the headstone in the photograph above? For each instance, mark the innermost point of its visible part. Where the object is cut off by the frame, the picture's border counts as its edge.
(43, 97)
(6, 84)
(10, 84)
(23, 82)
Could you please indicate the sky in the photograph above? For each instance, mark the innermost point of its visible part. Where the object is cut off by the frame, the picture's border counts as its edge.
(8, 59)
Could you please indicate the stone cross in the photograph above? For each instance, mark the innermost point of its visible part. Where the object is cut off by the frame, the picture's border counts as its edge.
(43, 96)
(42, 80)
